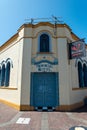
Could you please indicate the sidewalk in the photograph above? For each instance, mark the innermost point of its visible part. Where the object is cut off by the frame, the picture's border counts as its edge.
(11, 119)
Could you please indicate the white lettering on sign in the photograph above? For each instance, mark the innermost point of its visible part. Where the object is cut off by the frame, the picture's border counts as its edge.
(44, 67)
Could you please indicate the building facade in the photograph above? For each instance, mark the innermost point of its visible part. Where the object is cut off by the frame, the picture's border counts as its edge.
(36, 72)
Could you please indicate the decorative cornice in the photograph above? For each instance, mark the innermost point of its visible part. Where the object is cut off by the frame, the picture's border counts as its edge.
(14, 37)
(44, 24)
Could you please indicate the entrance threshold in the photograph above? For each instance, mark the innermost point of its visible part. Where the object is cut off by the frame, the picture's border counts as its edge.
(45, 108)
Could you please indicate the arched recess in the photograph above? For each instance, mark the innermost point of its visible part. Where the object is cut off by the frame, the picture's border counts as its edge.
(10, 61)
(7, 76)
(85, 75)
(80, 75)
(44, 42)
(3, 75)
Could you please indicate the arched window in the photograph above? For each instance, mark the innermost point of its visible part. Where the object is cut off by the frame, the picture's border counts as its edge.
(80, 75)
(0, 76)
(44, 43)
(3, 75)
(7, 76)
(85, 75)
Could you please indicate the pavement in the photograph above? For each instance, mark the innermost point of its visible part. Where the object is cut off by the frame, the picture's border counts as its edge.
(11, 119)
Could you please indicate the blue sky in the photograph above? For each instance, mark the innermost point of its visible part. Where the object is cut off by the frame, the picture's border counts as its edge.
(14, 12)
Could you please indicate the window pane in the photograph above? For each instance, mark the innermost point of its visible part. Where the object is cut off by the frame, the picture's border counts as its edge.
(80, 75)
(44, 43)
(3, 75)
(7, 74)
(85, 75)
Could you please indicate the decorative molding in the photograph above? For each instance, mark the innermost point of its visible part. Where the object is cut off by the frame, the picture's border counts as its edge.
(80, 60)
(44, 63)
(4, 62)
(9, 88)
(55, 62)
(34, 60)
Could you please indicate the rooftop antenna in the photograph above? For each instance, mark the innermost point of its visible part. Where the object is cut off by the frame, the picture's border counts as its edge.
(52, 19)
(56, 20)
(36, 20)
(49, 19)
(32, 20)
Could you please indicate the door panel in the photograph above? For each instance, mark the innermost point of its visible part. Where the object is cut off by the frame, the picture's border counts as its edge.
(45, 89)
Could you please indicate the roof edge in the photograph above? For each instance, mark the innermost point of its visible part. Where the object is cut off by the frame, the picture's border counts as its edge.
(74, 36)
(9, 41)
(44, 24)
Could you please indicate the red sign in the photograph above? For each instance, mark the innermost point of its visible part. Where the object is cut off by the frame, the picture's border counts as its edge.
(77, 49)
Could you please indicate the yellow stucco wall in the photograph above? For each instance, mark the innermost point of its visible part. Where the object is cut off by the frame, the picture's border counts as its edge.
(24, 47)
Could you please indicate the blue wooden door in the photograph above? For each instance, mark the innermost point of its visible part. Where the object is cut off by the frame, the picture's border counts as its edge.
(45, 89)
